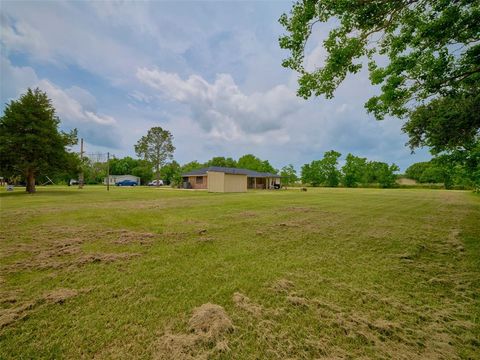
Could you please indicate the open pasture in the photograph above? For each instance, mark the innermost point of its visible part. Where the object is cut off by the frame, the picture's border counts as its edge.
(169, 274)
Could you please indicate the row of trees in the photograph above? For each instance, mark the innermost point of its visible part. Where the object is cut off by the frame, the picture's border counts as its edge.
(356, 171)
(460, 168)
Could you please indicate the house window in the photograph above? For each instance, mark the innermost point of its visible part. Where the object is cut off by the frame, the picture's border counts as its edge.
(199, 180)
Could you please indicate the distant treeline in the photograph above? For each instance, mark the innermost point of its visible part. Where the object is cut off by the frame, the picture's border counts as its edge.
(459, 169)
(439, 171)
(357, 171)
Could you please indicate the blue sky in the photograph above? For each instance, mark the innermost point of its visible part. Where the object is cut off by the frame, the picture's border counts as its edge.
(210, 72)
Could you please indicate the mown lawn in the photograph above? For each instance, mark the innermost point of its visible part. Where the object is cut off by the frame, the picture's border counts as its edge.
(334, 273)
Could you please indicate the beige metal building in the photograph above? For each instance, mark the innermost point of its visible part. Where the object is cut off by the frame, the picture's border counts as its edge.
(223, 179)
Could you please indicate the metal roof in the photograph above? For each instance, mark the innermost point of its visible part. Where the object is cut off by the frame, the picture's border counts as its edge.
(227, 170)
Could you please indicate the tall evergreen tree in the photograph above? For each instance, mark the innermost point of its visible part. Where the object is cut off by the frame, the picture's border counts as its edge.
(30, 142)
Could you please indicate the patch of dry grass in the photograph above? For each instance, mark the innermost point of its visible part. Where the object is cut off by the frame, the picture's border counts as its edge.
(243, 302)
(208, 326)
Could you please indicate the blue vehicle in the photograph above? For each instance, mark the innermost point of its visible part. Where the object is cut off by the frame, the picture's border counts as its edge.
(126, 183)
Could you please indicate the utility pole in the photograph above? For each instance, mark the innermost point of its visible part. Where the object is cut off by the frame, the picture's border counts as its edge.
(80, 176)
(108, 171)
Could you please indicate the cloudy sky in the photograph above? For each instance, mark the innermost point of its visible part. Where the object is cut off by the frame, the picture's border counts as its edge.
(210, 72)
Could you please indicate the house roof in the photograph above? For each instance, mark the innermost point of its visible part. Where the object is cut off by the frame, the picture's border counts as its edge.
(227, 170)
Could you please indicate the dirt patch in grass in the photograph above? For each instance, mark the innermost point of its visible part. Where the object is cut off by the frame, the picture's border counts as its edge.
(59, 296)
(44, 262)
(65, 246)
(246, 214)
(453, 241)
(9, 297)
(126, 237)
(282, 286)
(389, 338)
(439, 346)
(102, 257)
(327, 306)
(203, 236)
(289, 224)
(434, 335)
(208, 326)
(177, 346)
(299, 209)
(210, 321)
(299, 224)
(197, 223)
(175, 236)
(414, 254)
(243, 302)
(205, 239)
(10, 316)
(297, 301)
(65, 241)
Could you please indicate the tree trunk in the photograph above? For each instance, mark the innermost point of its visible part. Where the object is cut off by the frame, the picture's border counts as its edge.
(30, 181)
(158, 175)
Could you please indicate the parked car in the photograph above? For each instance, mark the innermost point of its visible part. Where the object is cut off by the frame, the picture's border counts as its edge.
(126, 183)
(154, 183)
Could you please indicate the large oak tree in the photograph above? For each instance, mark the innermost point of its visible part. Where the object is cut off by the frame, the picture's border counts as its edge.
(30, 142)
(431, 52)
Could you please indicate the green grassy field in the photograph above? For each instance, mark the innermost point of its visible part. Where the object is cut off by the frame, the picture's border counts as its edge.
(327, 273)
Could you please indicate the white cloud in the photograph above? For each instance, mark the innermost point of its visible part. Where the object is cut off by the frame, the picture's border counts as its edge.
(316, 58)
(74, 106)
(58, 33)
(224, 120)
(220, 107)
(15, 79)
(21, 36)
(97, 129)
(140, 96)
(70, 110)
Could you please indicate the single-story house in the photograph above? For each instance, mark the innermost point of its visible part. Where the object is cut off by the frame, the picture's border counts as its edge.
(224, 179)
(117, 178)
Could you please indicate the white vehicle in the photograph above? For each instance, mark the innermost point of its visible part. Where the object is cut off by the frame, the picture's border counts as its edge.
(154, 183)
